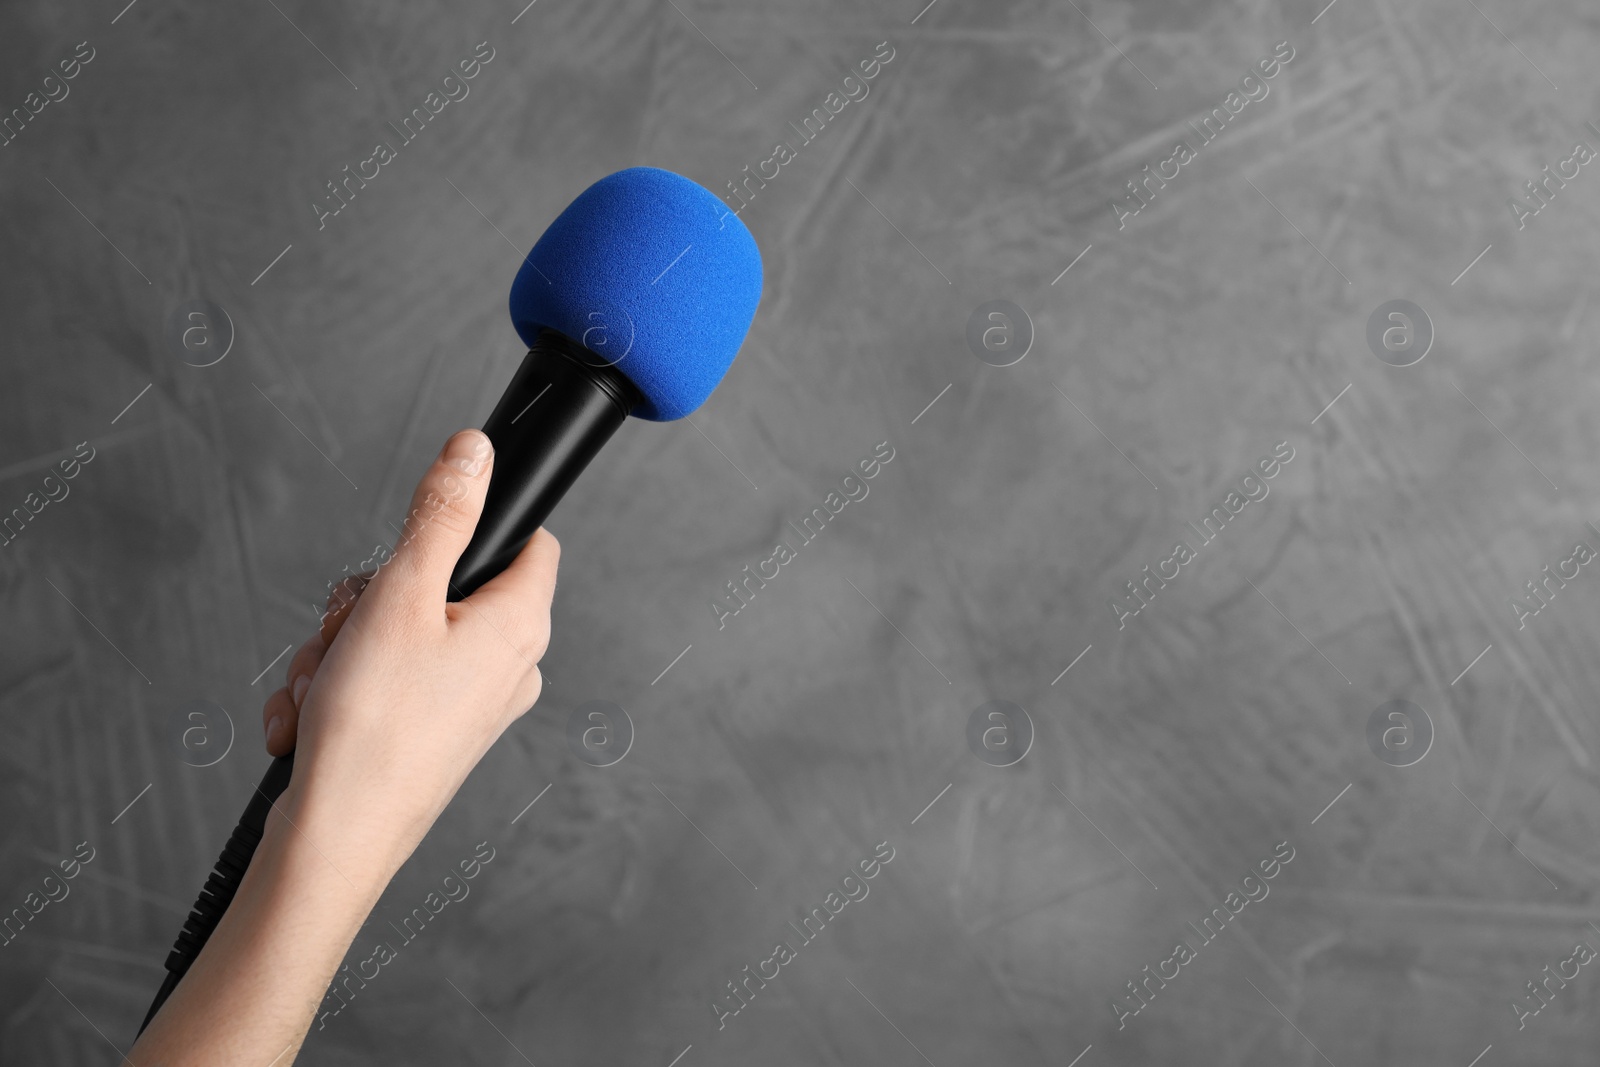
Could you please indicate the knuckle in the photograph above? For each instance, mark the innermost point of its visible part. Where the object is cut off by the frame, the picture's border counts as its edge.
(529, 629)
(412, 525)
(527, 694)
(552, 549)
(450, 485)
(338, 596)
(536, 638)
(451, 514)
(458, 517)
(437, 520)
(526, 632)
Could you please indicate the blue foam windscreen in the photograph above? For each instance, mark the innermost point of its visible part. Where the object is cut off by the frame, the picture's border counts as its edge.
(655, 275)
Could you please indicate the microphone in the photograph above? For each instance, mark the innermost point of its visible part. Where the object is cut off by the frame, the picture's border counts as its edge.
(634, 302)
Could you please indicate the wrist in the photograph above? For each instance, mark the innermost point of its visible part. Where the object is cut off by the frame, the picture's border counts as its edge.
(319, 828)
(308, 890)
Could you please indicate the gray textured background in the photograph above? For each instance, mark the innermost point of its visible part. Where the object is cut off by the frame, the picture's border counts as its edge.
(825, 718)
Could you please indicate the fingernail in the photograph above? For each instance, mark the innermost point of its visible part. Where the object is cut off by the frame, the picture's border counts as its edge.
(301, 684)
(467, 452)
(274, 725)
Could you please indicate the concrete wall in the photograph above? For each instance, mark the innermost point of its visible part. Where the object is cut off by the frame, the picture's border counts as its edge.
(1186, 342)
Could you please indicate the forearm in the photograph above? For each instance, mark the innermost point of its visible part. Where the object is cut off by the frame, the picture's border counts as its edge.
(253, 991)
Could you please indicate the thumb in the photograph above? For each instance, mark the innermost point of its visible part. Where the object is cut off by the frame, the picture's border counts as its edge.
(443, 514)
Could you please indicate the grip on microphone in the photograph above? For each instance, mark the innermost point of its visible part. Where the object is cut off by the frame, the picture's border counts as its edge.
(538, 455)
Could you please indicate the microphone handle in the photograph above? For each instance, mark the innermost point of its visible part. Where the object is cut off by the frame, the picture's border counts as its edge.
(562, 405)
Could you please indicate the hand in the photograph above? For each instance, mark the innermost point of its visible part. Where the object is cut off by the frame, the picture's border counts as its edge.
(399, 694)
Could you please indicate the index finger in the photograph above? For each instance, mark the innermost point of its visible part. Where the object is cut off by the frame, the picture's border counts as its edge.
(529, 583)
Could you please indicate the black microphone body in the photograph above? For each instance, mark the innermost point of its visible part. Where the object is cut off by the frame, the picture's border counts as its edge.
(562, 405)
